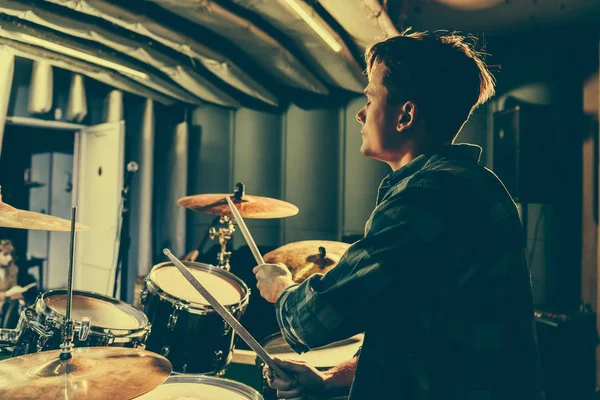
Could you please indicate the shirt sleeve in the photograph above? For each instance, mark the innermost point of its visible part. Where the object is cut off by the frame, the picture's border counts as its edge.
(392, 270)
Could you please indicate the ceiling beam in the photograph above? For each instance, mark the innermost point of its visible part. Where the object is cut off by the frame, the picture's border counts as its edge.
(215, 62)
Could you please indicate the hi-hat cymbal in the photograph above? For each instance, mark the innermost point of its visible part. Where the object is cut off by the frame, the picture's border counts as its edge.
(11, 217)
(306, 258)
(249, 206)
(93, 373)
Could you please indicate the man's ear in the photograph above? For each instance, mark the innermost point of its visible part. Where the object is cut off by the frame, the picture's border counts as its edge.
(406, 117)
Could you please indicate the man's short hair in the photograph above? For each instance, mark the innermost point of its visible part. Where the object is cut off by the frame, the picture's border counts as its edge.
(440, 71)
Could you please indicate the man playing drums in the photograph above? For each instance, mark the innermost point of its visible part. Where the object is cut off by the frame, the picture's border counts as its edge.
(439, 284)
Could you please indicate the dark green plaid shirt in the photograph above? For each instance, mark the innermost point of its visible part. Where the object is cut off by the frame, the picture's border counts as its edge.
(439, 285)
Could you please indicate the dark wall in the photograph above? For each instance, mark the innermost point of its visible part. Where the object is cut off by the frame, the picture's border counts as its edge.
(550, 68)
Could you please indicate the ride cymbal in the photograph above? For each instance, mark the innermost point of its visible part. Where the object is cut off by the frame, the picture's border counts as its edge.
(11, 217)
(93, 373)
(249, 206)
(308, 257)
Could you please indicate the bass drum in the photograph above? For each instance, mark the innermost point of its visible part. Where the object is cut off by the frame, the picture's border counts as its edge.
(199, 387)
(111, 322)
(322, 358)
(185, 328)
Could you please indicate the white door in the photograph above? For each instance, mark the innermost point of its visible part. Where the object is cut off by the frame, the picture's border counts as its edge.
(99, 168)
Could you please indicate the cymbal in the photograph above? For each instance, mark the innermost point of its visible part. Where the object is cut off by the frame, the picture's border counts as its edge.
(249, 206)
(304, 258)
(93, 373)
(11, 217)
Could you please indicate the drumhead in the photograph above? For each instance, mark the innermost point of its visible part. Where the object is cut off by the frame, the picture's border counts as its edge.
(103, 311)
(218, 282)
(198, 387)
(320, 357)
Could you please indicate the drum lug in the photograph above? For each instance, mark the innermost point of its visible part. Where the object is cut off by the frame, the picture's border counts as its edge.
(217, 358)
(164, 351)
(42, 340)
(43, 334)
(84, 329)
(106, 339)
(53, 322)
(226, 328)
(177, 307)
(144, 292)
(140, 342)
(29, 314)
(10, 336)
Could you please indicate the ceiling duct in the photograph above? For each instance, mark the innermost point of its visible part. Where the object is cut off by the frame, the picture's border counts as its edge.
(264, 49)
(69, 47)
(339, 68)
(186, 77)
(215, 62)
(104, 75)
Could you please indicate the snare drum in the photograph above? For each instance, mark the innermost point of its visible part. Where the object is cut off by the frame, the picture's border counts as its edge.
(185, 328)
(111, 322)
(200, 387)
(322, 358)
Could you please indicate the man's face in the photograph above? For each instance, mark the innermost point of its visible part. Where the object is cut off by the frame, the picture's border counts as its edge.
(378, 118)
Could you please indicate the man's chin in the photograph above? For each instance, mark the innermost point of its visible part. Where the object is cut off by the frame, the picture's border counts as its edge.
(364, 150)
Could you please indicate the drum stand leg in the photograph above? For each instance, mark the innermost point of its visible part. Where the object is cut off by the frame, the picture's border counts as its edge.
(224, 234)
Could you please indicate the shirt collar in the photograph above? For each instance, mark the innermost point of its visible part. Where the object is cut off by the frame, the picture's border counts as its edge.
(461, 151)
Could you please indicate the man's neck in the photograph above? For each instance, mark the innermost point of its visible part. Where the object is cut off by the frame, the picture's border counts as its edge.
(412, 151)
(402, 161)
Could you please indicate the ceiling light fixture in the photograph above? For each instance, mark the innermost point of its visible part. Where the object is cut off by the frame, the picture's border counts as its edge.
(315, 25)
(471, 5)
(82, 55)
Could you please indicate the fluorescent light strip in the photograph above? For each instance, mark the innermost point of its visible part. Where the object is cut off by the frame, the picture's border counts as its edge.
(81, 55)
(315, 25)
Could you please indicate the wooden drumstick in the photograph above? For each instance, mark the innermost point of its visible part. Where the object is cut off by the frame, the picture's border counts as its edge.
(240, 221)
(230, 319)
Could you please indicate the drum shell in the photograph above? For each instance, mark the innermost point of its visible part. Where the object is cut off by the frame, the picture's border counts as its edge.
(40, 327)
(194, 338)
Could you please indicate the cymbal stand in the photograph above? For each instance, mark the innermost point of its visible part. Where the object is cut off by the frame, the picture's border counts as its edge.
(67, 330)
(224, 234)
(227, 229)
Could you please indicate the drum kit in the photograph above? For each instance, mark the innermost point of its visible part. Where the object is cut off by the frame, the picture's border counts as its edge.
(75, 344)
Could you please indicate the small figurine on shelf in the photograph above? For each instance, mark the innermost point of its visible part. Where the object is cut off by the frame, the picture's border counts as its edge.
(8, 272)
(17, 288)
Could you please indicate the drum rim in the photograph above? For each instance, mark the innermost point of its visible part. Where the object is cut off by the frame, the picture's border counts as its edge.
(113, 331)
(265, 342)
(153, 287)
(229, 383)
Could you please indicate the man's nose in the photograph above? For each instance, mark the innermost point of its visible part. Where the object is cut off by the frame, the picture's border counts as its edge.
(360, 116)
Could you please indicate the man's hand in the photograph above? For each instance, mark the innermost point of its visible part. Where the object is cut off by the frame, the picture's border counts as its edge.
(306, 381)
(15, 292)
(272, 279)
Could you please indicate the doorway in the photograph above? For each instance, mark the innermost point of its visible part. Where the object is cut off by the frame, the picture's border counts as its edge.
(36, 170)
